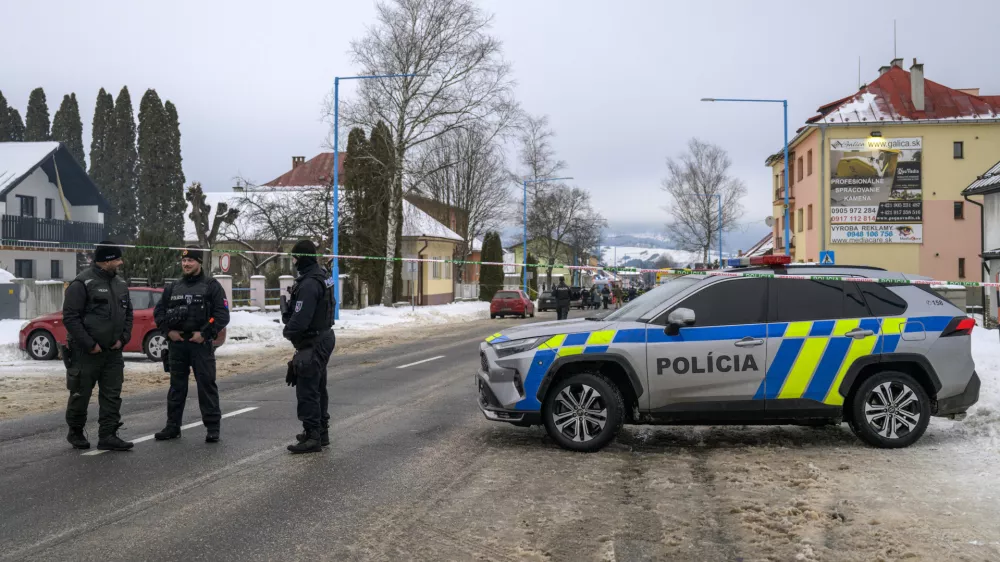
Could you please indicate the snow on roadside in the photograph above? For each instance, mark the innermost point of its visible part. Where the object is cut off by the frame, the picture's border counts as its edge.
(984, 417)
(253, 327)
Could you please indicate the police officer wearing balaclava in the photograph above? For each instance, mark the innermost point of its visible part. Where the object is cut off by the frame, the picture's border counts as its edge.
(308, 318)
(191, 313)
(97, 313)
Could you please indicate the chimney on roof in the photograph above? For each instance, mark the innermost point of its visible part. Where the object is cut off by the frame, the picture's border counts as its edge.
(917, 85)
(898, 63)
(970, 91)
(298, 161)
(883, 69)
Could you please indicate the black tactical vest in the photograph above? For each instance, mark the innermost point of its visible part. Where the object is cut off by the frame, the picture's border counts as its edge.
(323, 317)
(107, 301)
(189, 302)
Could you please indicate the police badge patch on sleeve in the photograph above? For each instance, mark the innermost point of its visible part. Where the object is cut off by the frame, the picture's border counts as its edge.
(298, 306)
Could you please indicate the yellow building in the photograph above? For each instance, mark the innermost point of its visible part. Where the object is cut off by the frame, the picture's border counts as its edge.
(431, 282)
(877, 177)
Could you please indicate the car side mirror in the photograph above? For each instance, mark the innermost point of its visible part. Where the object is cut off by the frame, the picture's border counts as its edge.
(677, 319)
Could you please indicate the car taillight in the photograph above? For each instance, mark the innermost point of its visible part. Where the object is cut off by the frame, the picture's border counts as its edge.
(959, 326)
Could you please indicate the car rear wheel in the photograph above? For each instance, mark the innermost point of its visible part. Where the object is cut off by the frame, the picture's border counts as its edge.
(583, 412)
(42, 346)
(890, 410)
(154, 344)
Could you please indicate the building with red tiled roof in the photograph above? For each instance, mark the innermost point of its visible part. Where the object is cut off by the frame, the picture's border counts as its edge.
(315, 172)
(877, 176)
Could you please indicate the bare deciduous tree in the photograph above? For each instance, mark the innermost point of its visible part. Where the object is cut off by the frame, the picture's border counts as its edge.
(696, 182)
(466, 169)
(463, 80)
(561, 214)
(536, 155)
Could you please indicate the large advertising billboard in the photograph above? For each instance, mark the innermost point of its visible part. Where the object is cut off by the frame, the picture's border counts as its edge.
(876, 192)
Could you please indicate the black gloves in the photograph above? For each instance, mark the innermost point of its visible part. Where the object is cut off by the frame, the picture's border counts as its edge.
(290, 377)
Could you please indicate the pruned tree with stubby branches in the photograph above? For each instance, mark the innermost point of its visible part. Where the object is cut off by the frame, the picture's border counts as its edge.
(207, 226)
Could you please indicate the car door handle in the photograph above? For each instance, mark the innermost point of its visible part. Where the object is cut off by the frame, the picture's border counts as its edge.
(859, 334)
(749, 342)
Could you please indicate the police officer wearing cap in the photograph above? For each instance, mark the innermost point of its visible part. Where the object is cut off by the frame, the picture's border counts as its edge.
(308, 318)
(97, 313)
(192, 312)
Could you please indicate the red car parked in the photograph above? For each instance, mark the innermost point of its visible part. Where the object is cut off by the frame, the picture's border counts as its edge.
(511, 303)
(39, 336)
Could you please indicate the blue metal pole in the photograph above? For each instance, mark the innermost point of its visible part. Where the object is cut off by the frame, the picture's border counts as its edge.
(336, 197)
(524, 253)
(720, 230)
(788, 239)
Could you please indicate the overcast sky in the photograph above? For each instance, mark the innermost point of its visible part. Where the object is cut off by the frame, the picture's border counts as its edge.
(620, 81)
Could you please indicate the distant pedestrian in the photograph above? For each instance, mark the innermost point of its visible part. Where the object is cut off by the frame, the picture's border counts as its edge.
(606, 296)
(563, 297)
(618, 296)
(97, 313)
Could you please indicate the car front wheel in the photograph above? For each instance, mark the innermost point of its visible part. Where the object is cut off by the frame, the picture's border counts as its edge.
(154, 345)
(890, 410)
(583, 412)
(42, 346)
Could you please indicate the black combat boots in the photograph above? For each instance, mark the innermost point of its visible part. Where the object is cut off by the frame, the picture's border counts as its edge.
(212, 436)
(169, 432)
(77, 439)
(311, 444)
(113, 442)
(324, 437)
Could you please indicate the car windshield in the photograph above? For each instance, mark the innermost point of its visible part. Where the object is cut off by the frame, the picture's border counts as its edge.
(638, 307)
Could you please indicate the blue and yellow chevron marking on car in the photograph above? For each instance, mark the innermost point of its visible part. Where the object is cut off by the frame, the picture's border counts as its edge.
(810, 363)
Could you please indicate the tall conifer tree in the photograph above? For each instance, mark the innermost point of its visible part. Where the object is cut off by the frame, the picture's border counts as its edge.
(123, 158)
(37, 119)
(100, 144)
(67, 128)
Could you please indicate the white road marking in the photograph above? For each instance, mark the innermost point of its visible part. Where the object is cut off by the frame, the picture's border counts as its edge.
(183, 427)
(419, 362)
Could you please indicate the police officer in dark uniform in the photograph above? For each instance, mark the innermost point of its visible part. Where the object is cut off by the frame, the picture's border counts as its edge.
(308, 318)
(97, 312)
(563, 299)
(192, 312)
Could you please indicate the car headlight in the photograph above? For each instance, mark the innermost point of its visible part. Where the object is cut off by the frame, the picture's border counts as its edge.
(517, 346)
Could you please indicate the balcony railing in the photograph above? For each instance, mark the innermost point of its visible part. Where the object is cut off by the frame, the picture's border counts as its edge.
(32, 229)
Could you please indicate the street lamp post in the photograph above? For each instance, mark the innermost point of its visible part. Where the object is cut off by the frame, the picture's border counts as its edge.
(336, 177)
(524, 257)
(784, 105)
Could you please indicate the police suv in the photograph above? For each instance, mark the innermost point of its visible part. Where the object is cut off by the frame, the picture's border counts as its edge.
(750, 349)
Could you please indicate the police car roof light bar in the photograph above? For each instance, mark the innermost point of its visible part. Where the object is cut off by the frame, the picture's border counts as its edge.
(780, 259)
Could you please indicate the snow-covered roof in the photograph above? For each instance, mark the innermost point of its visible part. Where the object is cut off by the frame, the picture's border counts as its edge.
(889, 98)
(477, 244)
(987, 183)
(761, 248)
(417, 223)
(18, 159)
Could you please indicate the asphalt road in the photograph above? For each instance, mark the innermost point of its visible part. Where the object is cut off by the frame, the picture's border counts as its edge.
(245, 498)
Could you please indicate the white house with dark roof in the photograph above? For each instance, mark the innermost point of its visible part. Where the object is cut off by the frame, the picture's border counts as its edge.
(50, 210)
(988, 186)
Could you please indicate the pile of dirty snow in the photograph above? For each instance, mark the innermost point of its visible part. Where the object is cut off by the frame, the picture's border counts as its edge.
(984, 417)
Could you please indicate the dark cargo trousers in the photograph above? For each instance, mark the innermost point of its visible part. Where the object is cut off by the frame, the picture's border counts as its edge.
(310, 387)
(185, 356)
(105, 369)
